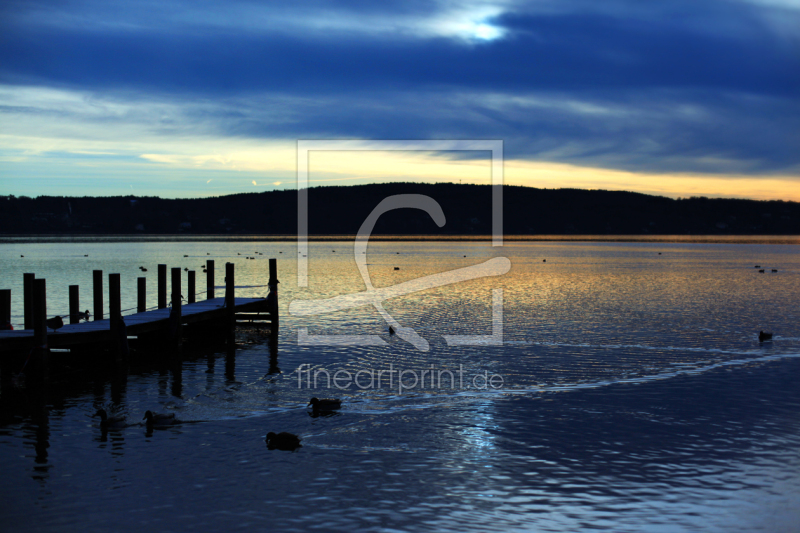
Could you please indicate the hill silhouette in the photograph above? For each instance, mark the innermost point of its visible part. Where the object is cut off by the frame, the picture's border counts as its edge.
(342, 210)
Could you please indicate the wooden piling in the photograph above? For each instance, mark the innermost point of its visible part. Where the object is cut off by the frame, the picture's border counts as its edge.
(141, 295)
(175, 314)
(114, 310)
(162, 286)
(272, 299)
(27, 299)
(5, 306)
(209, 279)
(97, 290)
(74, 304)
(39, 313)
(229, 300)
(190, 282)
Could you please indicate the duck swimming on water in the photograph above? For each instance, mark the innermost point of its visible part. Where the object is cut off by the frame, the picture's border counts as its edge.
(110, 422)
(764, 336)
(283, 441)
(160, 419)
(325, 404)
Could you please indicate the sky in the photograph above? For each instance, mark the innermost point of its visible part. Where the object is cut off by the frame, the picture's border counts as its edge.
(206, 98)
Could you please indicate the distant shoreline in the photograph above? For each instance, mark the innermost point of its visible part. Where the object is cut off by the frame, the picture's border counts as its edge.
(699, 239)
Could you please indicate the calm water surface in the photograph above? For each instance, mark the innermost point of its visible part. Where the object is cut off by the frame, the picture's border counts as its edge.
(632, 395)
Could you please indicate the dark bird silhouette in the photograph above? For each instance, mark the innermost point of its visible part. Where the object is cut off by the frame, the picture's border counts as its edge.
(764, 336)
(325, 404)
(774, 269)
(757, 266)
(160, 419)
(391, 330)
(283, 441)
(82, 315)
(55, 323)
(761, 270)
(110, 422)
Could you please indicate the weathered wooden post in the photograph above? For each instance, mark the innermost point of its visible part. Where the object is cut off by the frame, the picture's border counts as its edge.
(190, 282)
(175, 313)
(97, 289)
(27, 299)
(40, 321)
(272, 298)
(141, 295)
(209, 279)
(74, 304)
(115, 314)
(162, 286)
(230, 301)
(5, 307)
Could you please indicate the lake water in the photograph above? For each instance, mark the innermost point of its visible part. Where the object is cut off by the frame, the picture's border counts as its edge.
(629, 393)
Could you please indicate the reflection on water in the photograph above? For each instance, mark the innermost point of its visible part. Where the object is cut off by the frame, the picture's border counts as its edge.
(635, 397)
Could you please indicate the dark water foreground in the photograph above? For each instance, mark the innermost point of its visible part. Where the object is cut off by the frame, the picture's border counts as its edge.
(712, 450)
(635, 396)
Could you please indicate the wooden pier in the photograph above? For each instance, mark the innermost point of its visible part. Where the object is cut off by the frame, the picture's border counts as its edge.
(112, 333)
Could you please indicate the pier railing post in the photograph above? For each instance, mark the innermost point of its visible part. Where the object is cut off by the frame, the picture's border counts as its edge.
(97, 290)
(272, 299)
(162, 286)
(190, 283)
(141, 295)
(74, 304)
(209, 279)
(230, 300)
(115, 313)
(175, 314)
(5, 307)
(40, 319)
(27, 299)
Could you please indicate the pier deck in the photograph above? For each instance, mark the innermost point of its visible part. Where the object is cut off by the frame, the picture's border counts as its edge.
(97, 331)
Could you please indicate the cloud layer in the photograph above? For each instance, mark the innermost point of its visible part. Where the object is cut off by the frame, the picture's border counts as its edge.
(684, 86)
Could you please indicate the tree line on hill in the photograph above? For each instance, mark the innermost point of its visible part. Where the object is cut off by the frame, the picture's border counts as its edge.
(342, 210)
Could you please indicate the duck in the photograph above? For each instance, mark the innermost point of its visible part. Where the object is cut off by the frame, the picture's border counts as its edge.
(764, 336)
(283, 441)
(82, 315)
(160, 419)
(391, 330)
(325, 404)
(113, 422)
(55, 323)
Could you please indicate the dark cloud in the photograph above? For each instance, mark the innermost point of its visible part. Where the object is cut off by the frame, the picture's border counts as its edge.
(679, 86)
